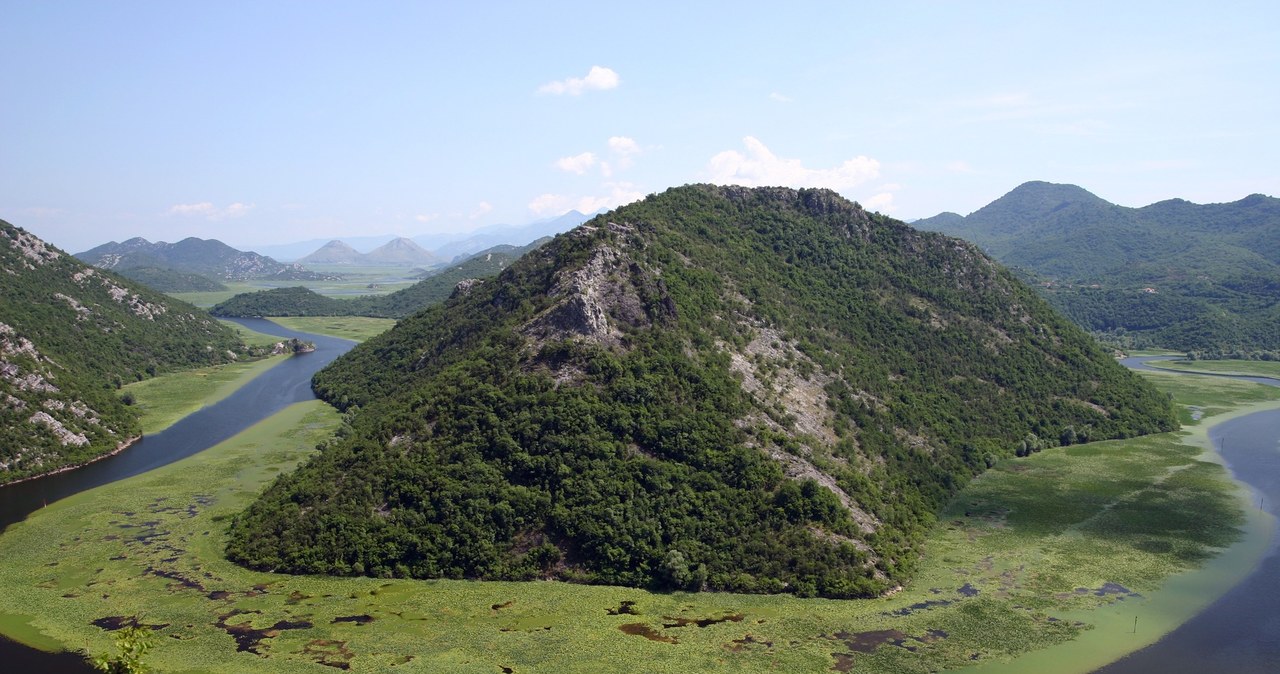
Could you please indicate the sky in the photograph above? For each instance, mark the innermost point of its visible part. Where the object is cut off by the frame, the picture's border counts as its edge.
(262, 123)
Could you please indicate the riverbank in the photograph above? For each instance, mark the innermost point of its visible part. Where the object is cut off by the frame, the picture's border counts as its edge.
(1038, 553)
(162, 401)
(1230, 368)
(356, 328)
(1127, 628)
(120, 447)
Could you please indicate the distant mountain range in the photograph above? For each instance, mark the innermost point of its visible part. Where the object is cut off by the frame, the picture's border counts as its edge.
(206, 257)
(448, 246)
(399, 252)
(436, 286)
(1173, 274)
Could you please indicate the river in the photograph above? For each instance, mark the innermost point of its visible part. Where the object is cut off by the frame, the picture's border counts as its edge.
(268, 393)
(1238, 633)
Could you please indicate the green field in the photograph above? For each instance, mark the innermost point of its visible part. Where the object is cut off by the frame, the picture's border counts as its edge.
(355, 282)
(250, 337)
(165, 399)
(1059, 551)
(1255, 368)
(358, 328)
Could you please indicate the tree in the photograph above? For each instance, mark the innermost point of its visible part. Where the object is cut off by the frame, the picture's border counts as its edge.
(132, 642)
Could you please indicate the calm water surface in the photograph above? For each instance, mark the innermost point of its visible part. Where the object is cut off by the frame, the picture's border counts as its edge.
(1239, 633)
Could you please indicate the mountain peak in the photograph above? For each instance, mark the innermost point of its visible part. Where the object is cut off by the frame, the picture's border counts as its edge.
(713, 387)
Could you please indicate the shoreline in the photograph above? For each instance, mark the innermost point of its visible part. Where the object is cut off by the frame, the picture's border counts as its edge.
(1206, 584)
(126, 444)
(1181, 595)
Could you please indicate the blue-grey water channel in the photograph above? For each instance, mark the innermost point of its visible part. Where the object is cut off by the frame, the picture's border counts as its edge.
(268, 393)
(1239, 633)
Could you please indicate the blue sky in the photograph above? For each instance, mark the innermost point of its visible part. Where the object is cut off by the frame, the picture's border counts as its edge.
(268, 122)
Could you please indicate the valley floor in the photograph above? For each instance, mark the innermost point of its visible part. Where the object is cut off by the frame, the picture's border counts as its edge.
(1057, 553)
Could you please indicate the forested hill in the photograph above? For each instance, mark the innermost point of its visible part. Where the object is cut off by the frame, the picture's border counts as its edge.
(435, 286)
(717, 387)
(70, 335)
(1174, 274)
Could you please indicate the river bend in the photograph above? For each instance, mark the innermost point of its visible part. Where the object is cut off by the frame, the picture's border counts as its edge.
(268, 393)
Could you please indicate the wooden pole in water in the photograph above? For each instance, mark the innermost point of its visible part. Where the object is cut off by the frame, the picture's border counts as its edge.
(1135, 624)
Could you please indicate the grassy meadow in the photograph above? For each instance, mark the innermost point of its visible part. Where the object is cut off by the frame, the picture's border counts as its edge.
(1252, 368)
(165, 399)
(355, 282)
(357, 328)
(1049, 558)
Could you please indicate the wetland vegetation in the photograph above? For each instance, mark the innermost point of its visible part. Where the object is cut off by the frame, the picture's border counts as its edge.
(1044, 551)
(1240, 368)
(166, 399)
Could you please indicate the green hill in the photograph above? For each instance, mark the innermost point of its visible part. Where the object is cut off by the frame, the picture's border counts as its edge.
(722, 388)
(70, 335)
(1172, 274)
(168, 280)
(435, 286)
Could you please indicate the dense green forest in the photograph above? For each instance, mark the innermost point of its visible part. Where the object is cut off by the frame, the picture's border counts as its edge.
(434, 287)
(757, 390)
(1174, 274)
(168, 280)
(70, 335)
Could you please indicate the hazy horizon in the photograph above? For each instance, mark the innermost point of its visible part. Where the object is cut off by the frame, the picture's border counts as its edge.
(260, 124)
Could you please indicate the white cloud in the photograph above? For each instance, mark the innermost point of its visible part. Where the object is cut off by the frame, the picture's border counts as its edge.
(577, 164)
(201, 208)
(959, 166)
(209, 211)
(617, 194)
(236, 210)
(550, 204)
(597, 79)
(623, 145)
(426, 217)
(781, 98)
(481, 209)
(622, 151)
(882, 202)
(759, 167)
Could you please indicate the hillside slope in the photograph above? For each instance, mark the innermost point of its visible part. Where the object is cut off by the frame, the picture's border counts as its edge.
(69, 336)
(717, 387)
(1172, 274)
